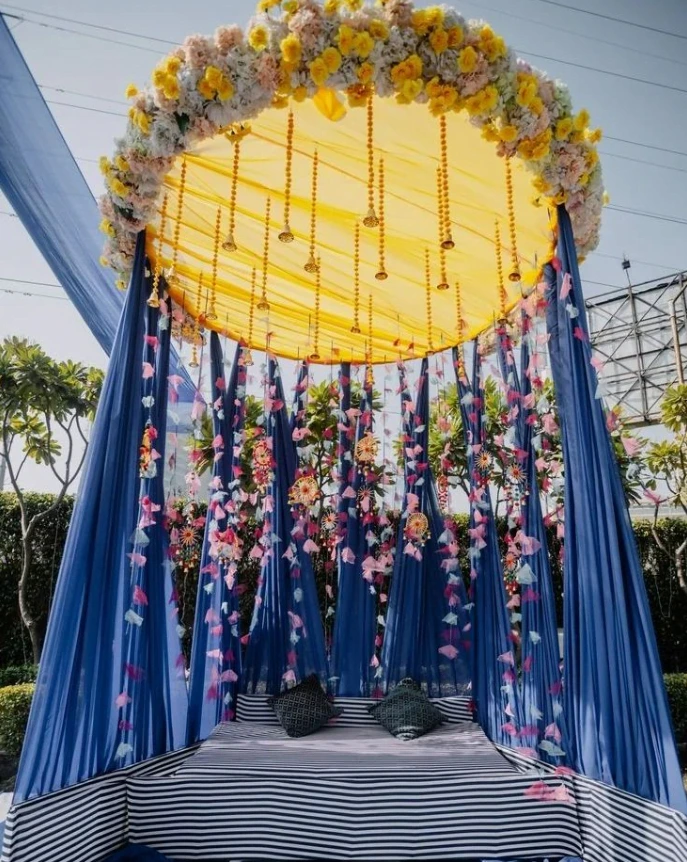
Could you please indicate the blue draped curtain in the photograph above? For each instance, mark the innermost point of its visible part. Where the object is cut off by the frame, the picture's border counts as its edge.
(355, 626)
(286, 639)
(427, 634)
(494, 681)
(616, 708)
(540, 677)
(216, 651)
(111, 689)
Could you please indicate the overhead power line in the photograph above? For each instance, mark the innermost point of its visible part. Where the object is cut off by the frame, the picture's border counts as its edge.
(646, 146)
(613, 18)
(33, 294)
(645, 214)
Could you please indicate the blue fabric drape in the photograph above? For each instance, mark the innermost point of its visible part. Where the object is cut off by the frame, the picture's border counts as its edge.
(493, 663)
(540, 677)
(427, 634)
(355, 626)
(286, 639)
(616, 708)
(43, 184)
(113, 609)
(216, 651)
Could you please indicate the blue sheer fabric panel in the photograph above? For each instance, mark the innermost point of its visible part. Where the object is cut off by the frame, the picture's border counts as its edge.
(43, 183)
(216, 651)
(616, 708)
(427, 635)
(79, 722)
(286, 638)
(494, 682)
(540, 678)
(355, 625)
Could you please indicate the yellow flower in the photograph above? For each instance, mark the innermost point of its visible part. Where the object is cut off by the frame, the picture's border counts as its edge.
(584, 180)
(354, 5)
(121, 164)
(291, 49)
(438, 39)
(455, 36)
(605, 199)
(537, 106)
(213, 76)
(206, 90)
(443, 103)
(345, 39)
(435, 16)
(225, 91)
(319, 71)
(489, 133)
(541, 185)
(103, 261)
(331, 7)
(171, 88)
(258, 38)
(106, 227)
(595, 136)
(527, 92)
(491, 45)
(467, 60)
(576, 137)
(559, 199)
(363, 44)
(120, 284)
(159, 77)
(406, 70)
(379, 29)
(508, 134)
(266, 5)
(118, 187)
(172, 65)
(420, 21)
(104, 165)
(409, 91)
(491, 97)
(290, 6)
(581, 121)
(300, 94)
(366, 73)
(332, 59)
(358, 95)
(280, 101)
(140, 119)
(131, 91)
(592, 158)
(563, 128)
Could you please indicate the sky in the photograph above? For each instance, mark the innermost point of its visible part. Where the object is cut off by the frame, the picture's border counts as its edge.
(644, 154)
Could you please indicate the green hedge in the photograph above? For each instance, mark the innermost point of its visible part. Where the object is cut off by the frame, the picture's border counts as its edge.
(15, 703)
(18, 675)
(667, 601)
(676, 687)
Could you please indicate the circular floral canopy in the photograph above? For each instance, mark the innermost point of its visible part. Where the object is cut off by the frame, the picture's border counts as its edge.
(366, 197)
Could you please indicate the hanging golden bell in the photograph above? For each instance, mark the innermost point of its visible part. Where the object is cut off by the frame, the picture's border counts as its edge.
(286, 235)
(314, 357)
(514, 276)
(263, 305)
(443, 286)
(355, 329)
(194, 358)
(371, 219)
(381, 275)
(172, 276)
(311, 265)
(154, 299)
(229, 243)
(448, 243)
(212, 314)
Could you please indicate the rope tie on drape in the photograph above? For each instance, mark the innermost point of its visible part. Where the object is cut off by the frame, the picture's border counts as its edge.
(355, 664)
(216, 650)
(286, 638)
(494, 679)
(427, 634)
(532, 604)
(617, 715)
(110, 687)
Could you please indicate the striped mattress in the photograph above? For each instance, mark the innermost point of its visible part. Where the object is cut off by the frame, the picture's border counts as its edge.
(351, 791)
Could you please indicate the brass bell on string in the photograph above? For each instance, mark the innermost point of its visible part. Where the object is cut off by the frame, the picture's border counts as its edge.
(172, 276)
(229, 243)
(355, 329)
(154, 299)
(263, 305)
(371, 219)
(382, 275)
(443, 285)
(286, 235)
(514, 276)
(311, 265)
(194, 358)
(448, 243)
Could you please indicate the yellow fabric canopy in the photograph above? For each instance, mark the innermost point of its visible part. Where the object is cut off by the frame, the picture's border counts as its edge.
(407, 319)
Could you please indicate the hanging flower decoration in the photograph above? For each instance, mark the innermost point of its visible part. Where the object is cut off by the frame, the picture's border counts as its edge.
(298, 49)
(188, 536)
(417, 528)
(147, 469)
(366, 450)
(263, 462)
(185, 328)
(304, 492)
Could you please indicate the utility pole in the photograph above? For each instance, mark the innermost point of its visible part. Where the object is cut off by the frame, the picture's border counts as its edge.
(638, 344)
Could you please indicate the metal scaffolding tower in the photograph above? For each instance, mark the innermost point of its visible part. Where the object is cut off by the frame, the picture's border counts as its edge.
(640, 334)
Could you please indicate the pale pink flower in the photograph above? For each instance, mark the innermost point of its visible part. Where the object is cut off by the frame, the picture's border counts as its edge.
(307, 25)
(399, 12)
(199, 51)
(267, 72)
(227, 38)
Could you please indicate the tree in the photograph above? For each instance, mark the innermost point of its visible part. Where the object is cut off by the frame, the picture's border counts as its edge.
(668, 462)
(44, 405)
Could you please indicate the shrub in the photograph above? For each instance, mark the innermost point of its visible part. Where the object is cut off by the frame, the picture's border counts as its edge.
(676, 687)
(18, 674)
(15, 703)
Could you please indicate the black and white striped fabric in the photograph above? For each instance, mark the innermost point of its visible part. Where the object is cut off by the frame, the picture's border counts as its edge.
(254, 707)
(251, 792)
(617, 826)
(84, 823)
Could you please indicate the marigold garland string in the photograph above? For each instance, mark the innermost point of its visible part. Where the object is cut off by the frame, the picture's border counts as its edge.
(355, 329)
(264, 305)
(443, 283)
(382, 274)
(212, 311)
(154, 299)
(172, 275)
(311, 265)
(447, 242)
(286, 235)
(499, 269)
(229, 243)
(428, 287)
(371, 219)
(510, 200)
